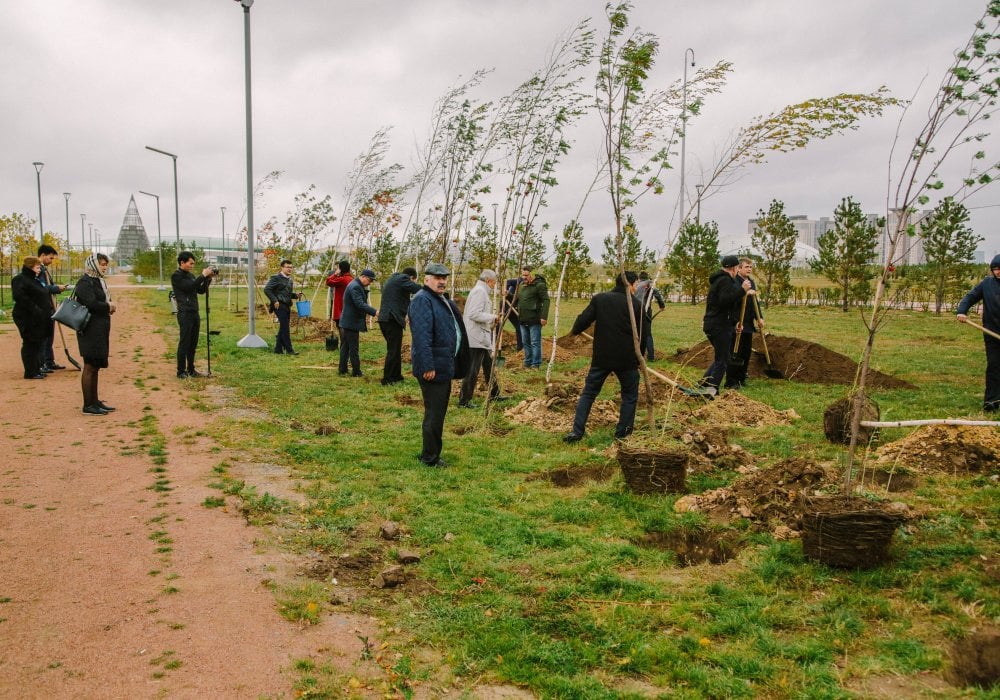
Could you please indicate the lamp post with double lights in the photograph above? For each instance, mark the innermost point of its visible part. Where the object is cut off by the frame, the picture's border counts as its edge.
(177, 209)
(38, 178)
(251, 339)
(159, 243)
(684, 97)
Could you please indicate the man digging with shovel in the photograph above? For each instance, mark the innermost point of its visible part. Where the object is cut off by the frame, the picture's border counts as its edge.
(721, 314)
(987, 292)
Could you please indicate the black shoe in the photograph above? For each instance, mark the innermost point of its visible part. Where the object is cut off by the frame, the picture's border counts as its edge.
(94, 410)
(106, 407)
(357, 374)
(467, 404)
(56, 366)
(34, 376)
(499, 397)
(570, 438)
(194, 373)
(44, 370)
(182, 375)
(622, 436)
(342, 374)
(991, 407)
(292, 352)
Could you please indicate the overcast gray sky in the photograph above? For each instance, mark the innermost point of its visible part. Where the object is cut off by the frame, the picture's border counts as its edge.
(89, 83)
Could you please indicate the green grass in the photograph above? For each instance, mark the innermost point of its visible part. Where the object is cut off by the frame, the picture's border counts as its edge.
(551, 589)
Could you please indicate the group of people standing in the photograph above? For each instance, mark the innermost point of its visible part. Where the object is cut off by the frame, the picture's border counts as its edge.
(34, 294)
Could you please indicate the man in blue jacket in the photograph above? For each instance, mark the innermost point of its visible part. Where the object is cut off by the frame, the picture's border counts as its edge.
(987, 292)
(353, 321)
(439, 353)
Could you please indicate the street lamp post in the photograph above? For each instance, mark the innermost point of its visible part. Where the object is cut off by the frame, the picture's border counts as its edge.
(83, 245)
(90, 230)
(223, 210)
(684, 93)
(251, 339)
(38, 179)
(159, 243)
(69, 251)
(177, 210)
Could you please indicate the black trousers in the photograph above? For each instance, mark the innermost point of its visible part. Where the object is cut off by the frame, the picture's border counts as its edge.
(736, 375)
(436, 396)
(283, 341)
(189, 323)
(991, 397)
(31, 347)
(392, 371)
(349, 344)
(47, 357)
(722, 345)
(478, 358)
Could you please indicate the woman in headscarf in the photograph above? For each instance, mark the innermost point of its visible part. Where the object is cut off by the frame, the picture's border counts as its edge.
(32, 311)
(92, 292)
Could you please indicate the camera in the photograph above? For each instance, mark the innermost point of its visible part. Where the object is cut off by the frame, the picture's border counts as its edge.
(215, 271)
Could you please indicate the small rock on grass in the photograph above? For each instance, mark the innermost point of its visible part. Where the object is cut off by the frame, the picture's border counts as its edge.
(389, 530)
(391, 577)
(407, 557)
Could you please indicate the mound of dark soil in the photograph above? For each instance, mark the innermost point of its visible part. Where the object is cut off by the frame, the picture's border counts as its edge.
(574, 474)
(837, 421)
(696, 546)
(799, 360)
(976, 658)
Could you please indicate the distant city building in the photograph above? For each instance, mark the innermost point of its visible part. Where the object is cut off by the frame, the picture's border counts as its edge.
(132, 235)
(910, 250)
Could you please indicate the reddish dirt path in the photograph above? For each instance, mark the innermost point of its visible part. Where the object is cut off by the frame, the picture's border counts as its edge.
(81, 615)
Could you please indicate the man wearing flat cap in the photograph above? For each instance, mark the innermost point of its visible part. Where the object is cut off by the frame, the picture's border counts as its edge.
(353, 321)
(721, 317)
(987, 292)
(439, 353)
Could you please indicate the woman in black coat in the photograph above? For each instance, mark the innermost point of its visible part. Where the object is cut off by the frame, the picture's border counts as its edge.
(32, 311)
(94, 340)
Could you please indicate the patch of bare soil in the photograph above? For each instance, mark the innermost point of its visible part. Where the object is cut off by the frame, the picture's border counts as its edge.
(574, 474)
(896, 687)
(799, 360)
(951, 449)
(975, 659)
(770, 498)
(554, 412)
(733, 408)
(696, 546)
(117, 580)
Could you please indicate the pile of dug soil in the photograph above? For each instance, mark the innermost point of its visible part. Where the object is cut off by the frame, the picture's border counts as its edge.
(711, 449)
(733, 408)
(799, 360)
(945, 448)
(768, 497)
(555, 413)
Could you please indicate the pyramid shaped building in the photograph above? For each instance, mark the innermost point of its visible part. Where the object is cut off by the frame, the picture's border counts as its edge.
(132, 235)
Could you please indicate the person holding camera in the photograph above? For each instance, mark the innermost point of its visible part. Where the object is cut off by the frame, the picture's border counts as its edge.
(279, 291)
(186, 289)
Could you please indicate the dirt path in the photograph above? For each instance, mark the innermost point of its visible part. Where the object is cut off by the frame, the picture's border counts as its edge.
(110, 588)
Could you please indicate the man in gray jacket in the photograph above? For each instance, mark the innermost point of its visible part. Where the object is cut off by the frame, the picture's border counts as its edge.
(480, 322)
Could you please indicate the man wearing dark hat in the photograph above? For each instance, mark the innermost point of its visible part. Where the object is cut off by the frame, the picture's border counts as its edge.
(439, 353)
(353, 321)
(396, 293)
(721, 316)
(987, 292)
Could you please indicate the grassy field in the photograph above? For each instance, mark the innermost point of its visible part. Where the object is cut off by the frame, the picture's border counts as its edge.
(559, 590)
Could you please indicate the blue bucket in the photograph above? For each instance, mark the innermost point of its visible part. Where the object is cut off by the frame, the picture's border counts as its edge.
(303, 308)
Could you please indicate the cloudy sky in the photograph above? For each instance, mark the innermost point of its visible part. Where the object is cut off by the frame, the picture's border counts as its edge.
(89, 83)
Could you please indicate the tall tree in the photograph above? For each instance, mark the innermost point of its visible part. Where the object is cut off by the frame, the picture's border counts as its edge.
(635, 256)
(846, 252)
(949, 245)
(572, 261)
(694, 256)
(774, 236)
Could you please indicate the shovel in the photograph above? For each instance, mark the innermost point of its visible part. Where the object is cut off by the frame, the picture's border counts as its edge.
(987, 331)
(770, 370)
(707, 392)
(735, 360)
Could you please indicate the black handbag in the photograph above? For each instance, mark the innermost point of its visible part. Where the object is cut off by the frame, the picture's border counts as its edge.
(72, 314)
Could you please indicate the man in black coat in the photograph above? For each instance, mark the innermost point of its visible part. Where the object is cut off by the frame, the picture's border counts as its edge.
(280, 291)
(614, 352)
(736, 374)
(47, 254)
(721, 316)
(396, 293)
(186, 290)
(987, 292)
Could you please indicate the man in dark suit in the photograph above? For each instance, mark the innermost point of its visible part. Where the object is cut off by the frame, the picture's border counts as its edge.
(47, 254)
(396, 293)
(186, 289)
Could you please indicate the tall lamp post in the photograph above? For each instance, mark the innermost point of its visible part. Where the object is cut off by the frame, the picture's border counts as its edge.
(223, 210)
(70, 251)
(251, 339)
(38, 179)
(684, 100)
(159, 243)
(83, 245)
(177, 210)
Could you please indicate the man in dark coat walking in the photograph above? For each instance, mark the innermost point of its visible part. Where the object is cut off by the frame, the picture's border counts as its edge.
(614, 352)
(721, 315)
(987, 292)
(396, 293)
(353, 321)
(280, 291)
(186, 288)
(440, 353)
